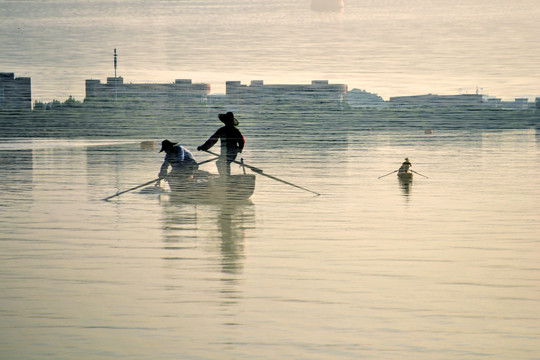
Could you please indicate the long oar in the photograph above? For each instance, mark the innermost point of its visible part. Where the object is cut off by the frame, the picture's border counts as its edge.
(133, 188)
(150, 182)
(205, 161)
(260, 172)
(419, 174)
(387, 174)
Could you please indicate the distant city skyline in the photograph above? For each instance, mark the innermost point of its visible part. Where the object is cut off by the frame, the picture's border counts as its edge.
(15, 93)
(222, 88)
(429, 46)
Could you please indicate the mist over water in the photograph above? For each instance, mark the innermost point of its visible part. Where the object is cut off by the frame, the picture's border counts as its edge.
(391, 48)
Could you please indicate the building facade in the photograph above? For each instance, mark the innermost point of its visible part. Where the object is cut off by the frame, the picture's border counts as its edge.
(15, 93)
(437, 100)
(181, 91)
(319, 91)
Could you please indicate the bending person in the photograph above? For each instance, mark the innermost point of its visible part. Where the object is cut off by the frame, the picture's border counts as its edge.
(182, 162)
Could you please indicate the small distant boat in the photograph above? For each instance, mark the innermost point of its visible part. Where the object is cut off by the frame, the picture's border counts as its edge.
(206, 186)
(405, 175)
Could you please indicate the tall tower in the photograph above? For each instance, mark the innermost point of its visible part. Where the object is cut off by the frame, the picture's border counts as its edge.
(115, 78)
(115, 62)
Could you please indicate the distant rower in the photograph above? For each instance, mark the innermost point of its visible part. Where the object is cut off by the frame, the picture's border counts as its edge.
(405, 166)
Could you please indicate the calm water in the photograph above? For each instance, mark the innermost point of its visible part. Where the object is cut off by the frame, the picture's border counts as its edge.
(445, 268)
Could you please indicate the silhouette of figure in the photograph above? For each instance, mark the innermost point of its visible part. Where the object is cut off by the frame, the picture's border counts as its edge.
(232, 143)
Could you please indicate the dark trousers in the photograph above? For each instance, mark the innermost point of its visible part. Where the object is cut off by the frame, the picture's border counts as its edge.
(224, 163)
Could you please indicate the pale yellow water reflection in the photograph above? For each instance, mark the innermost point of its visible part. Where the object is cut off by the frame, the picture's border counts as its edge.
(445, 267)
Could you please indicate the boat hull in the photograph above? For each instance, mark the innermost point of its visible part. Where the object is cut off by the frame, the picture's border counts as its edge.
(405, 176)
(213, 187)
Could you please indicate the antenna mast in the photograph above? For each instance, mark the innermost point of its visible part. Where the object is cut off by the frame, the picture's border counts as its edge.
(115, 78)
(115, 63)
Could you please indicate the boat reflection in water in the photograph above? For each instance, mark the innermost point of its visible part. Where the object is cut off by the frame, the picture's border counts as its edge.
(218, 227)
(405, 182)
(214, 206)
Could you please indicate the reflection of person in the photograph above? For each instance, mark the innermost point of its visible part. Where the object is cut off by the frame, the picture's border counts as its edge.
(232, 142)
(181, 160)
(405, 166)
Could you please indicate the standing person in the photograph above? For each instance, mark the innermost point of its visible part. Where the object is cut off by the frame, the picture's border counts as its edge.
(405, 166)
(232, 143)
(181, 160)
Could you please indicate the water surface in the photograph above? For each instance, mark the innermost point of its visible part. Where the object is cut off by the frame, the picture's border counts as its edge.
(445, 267)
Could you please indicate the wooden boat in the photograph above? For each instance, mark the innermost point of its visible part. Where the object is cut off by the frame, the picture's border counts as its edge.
(405, 175)
(210, 186)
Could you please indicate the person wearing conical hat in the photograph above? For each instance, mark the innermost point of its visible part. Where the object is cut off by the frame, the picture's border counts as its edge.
(232, 142)
(181, 160)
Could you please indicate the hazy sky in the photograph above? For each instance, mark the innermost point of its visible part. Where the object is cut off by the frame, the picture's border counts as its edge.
(390, 47)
